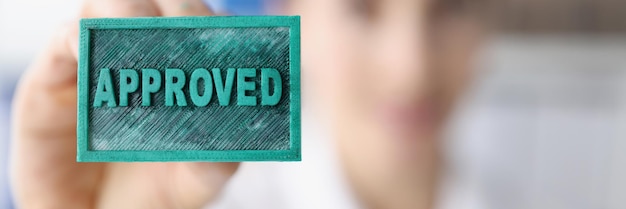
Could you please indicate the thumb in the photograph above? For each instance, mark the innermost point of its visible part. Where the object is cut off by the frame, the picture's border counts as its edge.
(57, 63)
(46, 95)
(72, 38)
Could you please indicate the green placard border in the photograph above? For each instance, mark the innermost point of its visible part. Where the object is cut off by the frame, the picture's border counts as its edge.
(86, 25)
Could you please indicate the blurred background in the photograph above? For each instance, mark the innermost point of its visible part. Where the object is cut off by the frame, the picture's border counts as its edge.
(543, 126)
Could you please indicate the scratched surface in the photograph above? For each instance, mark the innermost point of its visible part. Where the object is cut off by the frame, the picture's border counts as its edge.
(212, 127)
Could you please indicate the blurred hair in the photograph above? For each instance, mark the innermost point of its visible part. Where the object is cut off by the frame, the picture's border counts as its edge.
(549, 16)
(545, 16)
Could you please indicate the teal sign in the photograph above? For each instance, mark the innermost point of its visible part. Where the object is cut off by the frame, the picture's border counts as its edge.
(189, 89)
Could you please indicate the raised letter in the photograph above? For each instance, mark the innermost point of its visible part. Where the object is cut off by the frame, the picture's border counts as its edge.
(174, 88)
(266, 75)
(198, 74)
(148, 87)
(243, 86)
(127, 86)
(104, 90)
(222, 89)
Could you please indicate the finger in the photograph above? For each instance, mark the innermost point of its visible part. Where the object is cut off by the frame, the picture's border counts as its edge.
(183, 8)
(199, 183)
(168, 185)
(119, 8)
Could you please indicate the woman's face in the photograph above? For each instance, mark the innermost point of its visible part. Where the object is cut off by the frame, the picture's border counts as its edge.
(388, 71)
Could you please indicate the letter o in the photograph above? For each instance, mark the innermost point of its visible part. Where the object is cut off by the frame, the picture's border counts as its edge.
(196, 98)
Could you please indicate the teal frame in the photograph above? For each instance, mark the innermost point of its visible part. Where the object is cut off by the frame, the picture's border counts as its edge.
(86, 155)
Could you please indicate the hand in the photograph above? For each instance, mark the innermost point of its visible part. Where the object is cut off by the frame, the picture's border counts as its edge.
(44, 170)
